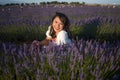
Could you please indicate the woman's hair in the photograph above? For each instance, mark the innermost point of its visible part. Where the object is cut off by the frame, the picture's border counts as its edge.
(64, 19)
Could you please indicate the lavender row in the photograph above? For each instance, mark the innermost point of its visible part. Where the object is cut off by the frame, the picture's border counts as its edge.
(33, 22)
(82, 60)
(39, 15)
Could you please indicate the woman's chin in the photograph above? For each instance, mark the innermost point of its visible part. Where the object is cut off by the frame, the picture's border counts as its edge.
(57, 30)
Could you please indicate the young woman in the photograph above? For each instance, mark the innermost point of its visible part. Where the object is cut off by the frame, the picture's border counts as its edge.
(58, 33)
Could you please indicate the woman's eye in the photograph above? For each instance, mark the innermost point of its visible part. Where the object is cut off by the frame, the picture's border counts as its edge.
(61, 24)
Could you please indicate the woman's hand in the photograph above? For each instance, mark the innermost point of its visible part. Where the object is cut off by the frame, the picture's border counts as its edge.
(54, 39)
(49, 38)
(35, 43)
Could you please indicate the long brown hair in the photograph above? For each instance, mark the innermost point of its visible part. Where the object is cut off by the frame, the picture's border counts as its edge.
(64, 19)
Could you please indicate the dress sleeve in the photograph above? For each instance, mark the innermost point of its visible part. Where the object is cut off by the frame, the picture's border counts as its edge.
(48, 32)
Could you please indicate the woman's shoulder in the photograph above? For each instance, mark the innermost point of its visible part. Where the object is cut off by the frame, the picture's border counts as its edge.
(62, 32)
(62, 38)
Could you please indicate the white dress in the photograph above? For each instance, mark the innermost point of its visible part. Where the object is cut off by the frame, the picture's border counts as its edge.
(62, 37)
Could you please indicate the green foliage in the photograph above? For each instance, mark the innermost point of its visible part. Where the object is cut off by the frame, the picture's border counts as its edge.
(108, 32)
(103, 32)
(27, 33)
(22, 33)
(77, 31)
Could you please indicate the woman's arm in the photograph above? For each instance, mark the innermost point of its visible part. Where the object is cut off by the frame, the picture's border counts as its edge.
(48, 36)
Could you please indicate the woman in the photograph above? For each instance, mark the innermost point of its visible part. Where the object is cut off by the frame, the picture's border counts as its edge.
(58, 33)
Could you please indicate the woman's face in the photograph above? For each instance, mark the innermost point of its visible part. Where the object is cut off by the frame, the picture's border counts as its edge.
(57, 25)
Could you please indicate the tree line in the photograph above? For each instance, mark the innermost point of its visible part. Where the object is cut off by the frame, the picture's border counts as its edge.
(45, 3)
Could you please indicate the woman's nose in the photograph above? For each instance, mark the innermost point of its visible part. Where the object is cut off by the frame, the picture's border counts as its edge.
(57, 25)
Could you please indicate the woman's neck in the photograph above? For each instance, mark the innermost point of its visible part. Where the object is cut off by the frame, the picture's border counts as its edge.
(56, 33)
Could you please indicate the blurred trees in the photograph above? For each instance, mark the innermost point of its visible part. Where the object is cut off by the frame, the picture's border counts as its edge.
(46, 3)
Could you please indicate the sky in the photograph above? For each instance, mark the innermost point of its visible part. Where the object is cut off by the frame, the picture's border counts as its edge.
(86, 1)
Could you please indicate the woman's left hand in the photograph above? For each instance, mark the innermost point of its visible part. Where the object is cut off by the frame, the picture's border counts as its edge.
(35, 43)
(54, 39)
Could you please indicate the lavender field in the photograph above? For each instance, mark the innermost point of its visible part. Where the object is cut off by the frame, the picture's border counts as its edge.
(93, 55)
(19, 23)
